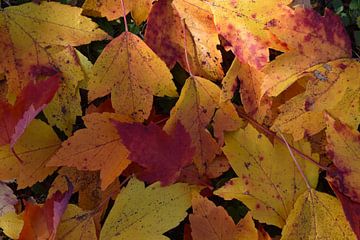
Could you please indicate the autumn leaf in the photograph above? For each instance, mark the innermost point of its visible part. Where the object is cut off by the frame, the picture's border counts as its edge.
(312, 39)
(142, 75)
(317, 215)
(7, 199)
(343, 147)
(326, 87)
(96, 147)
(22, 27)
(268, 181)
(65, 106)
(41, 222)
(35, 147)
(213, 223)
(76, 224)
(11, 224)
(112, 9)
(33, 98)
(164, 34)
(146, 213)
(162, 155)
(195, 108)
(199, 21)
(242, 24)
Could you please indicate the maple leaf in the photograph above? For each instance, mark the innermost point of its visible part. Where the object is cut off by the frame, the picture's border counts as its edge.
(23, 43)
(328, 84)
(65, 106)
(76, 224)
(268, 181)
(7, 199)
(311, 38)
(146, 213)
(112, 9)
(343, 147)
(41, 222)
(164, 34)
(312, 218)
(15, 118)
(133, 73)
(213, 223)
(200, 23)
(35, 147)
(95, 148)
(242, 24)
(162, 155)
(11, 224)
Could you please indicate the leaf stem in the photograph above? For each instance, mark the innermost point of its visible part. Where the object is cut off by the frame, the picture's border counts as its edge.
(296, 161)
(185, 48)
(270, 133)
(124, 15)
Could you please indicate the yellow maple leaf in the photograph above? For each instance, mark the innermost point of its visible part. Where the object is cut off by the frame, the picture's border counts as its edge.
(35, 147)
(65, 106)
(146, 213)
(76, 224)
(112, 9)
(11, 224)
(30, 28)
(268, 181)
(328, 84)
(133, 73)
(317, 215)
(96, 147)
(242, 24)
(200, 22)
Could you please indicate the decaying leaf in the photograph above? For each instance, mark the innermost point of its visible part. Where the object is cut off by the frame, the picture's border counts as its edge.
(242, 24)
(146, 213)
(133, 73)
(33, 98)
(311, 38)
(23, 43)
(213, 223)
(317, 215)
(35, 147)
(95, 148)
(76, 224)
(162, 155)
(41, 222)
(268, 181)
(195, 108)
(327, 86)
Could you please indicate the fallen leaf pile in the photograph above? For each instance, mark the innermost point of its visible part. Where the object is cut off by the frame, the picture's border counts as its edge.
(157, 137)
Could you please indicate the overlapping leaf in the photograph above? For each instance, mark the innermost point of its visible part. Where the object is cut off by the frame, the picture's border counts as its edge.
(146, 213)
(34, 148)
(132, 73)
(268, 181)
(24, 45)
(95, 148)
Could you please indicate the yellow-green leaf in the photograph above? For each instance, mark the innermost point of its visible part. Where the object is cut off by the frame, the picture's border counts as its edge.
(146, 213)
(11, 224)
(317, 215)
(268, 181)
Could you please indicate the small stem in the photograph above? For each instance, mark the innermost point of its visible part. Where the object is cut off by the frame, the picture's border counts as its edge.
(124, 15)
(270, 133)
(185, 48)
(296, 162)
